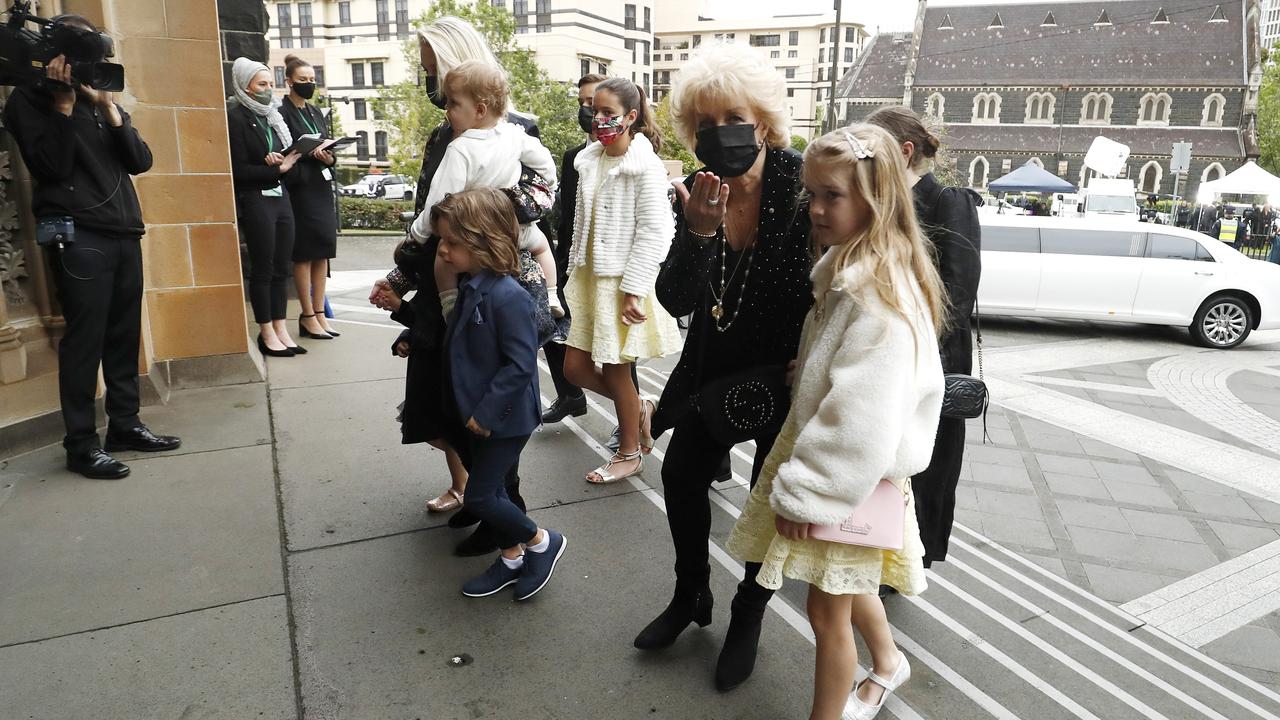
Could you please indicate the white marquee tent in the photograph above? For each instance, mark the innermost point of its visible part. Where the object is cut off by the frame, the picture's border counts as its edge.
(1249, 179)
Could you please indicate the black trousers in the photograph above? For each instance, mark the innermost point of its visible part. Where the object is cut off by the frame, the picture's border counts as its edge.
(555, 364)
(693, 458)
(99, 281)
(268, 230)
(935, 490)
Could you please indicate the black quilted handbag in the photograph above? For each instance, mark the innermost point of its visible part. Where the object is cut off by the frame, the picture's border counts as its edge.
(964, 397)
(745, 405)
(532, 197)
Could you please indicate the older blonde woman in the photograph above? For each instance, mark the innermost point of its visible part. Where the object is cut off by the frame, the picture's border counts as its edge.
(740, 265)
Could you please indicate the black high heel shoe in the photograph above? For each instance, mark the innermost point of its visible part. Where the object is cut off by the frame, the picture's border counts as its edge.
(262, 347)
(304, 332)
(687, 606)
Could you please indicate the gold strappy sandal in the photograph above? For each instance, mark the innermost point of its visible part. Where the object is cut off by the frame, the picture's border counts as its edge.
(608, 478)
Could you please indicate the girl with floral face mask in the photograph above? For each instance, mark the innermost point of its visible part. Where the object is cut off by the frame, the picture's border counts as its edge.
(622, 231)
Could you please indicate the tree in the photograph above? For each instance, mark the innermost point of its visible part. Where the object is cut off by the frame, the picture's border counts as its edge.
(1268, 130)
(672, 148)
(409, 117)
(798, 143)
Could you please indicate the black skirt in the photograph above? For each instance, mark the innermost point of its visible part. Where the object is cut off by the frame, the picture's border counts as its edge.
(315, 223)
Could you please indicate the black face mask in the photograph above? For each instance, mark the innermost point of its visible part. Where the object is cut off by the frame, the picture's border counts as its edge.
(585, 114)
(728, 150)
(434, 93)
(305, 90)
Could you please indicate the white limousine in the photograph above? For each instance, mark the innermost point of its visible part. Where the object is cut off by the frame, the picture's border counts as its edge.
(1118, 270)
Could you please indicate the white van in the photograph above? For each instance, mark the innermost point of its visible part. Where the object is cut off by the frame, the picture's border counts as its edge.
(1116, 269)
(1108, 196)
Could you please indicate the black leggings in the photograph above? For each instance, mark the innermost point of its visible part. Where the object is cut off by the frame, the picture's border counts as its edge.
(693, 459)
(268, 229)
(935, 490)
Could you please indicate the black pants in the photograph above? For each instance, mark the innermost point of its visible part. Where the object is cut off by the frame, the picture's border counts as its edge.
(693, 458)
(99, 282)
(268, 229)
(935, 490)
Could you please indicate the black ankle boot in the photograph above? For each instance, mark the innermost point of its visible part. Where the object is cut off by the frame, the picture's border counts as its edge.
(687, 606)
(738, 656)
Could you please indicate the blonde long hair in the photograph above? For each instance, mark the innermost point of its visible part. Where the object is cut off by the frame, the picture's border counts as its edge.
(891, 242)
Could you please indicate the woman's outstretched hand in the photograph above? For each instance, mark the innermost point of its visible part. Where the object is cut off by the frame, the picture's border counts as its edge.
(704, 205)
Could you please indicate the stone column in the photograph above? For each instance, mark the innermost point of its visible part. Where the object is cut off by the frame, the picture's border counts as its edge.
(13, 356)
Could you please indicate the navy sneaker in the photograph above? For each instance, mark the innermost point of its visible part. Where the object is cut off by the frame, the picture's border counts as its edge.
(497, 577)
(538, 566)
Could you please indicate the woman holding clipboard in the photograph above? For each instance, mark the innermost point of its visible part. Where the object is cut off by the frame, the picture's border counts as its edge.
(311, 194)
(259, 137)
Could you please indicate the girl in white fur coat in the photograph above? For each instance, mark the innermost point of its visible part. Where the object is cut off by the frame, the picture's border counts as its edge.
(866, 395)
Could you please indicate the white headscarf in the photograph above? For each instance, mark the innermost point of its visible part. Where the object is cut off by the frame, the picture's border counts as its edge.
(243, 71)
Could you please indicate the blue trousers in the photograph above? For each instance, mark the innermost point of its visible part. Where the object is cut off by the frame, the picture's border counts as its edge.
(486, 496)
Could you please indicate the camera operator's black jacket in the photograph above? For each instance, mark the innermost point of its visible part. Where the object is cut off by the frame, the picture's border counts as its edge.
(80, 163)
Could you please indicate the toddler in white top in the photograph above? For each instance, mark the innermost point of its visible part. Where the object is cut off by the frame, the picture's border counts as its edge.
(486, 151)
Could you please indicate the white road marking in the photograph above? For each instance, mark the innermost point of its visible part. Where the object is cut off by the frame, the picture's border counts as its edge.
(1087, 385)
(1212, 603)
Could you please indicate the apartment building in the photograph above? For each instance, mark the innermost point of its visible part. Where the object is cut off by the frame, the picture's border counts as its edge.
(1269, 28)
(357, 47)
(801, 47)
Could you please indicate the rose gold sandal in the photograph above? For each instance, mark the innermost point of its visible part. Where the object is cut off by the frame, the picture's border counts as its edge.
(449, 500)
(647, 408)
(608, 478)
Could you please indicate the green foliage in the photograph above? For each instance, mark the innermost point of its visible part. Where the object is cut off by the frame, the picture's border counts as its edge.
(367, 213)
(672, 148)
(798, 143)
(410, 117)
(1269, 119)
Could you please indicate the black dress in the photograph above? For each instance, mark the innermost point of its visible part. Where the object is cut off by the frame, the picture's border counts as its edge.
(422, 418)
(315, 220)
(949, 218)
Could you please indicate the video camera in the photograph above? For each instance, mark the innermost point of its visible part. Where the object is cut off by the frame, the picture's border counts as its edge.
(24, 53)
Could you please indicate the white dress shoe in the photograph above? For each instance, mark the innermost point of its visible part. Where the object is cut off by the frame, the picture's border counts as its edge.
(856, 709)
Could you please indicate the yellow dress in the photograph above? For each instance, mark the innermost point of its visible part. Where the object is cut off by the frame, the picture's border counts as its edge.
(834, 568)
(595, 304)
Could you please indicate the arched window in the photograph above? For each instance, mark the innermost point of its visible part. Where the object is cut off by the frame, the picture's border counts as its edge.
(1149, 178)
(1037, 162)
(1214, 106)
(1215, 171)
(1154, 109)
(986, 108)
(1095, 109)
(1040, 108)
(935, 106)
(979, 169)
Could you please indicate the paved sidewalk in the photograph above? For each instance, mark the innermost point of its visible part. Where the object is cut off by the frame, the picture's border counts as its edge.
(280, 565)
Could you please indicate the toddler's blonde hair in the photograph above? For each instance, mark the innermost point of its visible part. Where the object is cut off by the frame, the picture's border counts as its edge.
(483, 83)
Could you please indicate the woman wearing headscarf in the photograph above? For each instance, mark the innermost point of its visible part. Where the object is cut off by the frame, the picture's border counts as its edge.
(442, 45)
(259, 137)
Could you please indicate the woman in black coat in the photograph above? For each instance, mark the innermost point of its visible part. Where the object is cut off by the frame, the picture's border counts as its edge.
(315, 240)
(258, 137)
(949, 217)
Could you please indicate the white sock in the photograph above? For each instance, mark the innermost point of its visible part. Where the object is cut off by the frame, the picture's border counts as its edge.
(513, 564)
(554, 303)
(542, 546)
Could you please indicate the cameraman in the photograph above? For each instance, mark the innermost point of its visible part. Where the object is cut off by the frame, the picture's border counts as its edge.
(81, 150)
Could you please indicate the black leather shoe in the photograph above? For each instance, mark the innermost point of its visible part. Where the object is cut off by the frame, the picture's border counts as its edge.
(262, 348)
(463, 518)
(141, 439)
(738, 656)
(725, 472)
(564, 407)
(480, 542)
(97, 465)
(687, 606)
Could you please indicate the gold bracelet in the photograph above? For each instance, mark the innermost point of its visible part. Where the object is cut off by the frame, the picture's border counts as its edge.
(695, 233)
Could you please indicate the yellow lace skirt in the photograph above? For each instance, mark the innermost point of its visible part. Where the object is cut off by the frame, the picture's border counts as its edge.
(595, 304)
(834, 568)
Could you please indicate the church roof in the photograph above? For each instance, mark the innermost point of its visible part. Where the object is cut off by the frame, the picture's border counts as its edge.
(1114, 42)
(881, 69)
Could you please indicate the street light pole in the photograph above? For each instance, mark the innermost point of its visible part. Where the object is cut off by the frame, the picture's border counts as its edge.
(835, 59)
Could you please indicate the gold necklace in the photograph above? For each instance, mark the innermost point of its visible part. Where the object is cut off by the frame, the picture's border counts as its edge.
(717, 310)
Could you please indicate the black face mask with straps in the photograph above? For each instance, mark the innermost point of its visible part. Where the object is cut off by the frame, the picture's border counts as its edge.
(435, 93)
(728, 150)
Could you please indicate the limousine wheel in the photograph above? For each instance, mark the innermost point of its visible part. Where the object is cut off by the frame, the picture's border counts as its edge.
(1223, 322)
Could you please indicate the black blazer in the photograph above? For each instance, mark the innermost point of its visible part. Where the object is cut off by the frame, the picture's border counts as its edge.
(949, 217)
(249, 169)
(308, 169)
(564, 224)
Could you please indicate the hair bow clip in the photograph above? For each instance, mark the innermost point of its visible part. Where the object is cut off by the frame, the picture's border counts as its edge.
(860, 149)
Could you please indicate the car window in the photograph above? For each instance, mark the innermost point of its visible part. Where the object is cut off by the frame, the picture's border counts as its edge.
(1010, 239)
(1171, 247)
(1104, 243)
(1203, 255)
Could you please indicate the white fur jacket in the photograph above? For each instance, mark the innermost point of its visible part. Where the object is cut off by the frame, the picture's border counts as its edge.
(865, 399)
(633, 221)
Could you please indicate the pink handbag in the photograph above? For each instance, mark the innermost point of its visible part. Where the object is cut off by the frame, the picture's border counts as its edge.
(877, 522)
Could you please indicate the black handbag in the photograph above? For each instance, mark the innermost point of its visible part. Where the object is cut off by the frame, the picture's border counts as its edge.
(965, 397)
(743, 405)
(531, 197)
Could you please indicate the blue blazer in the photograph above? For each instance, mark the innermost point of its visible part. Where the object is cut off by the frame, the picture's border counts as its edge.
(493, 355)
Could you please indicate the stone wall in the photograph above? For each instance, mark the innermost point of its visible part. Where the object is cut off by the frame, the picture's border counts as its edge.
(243, 33)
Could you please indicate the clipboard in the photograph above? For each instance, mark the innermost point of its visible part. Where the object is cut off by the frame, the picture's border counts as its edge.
(340, 143)
(306, 144)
